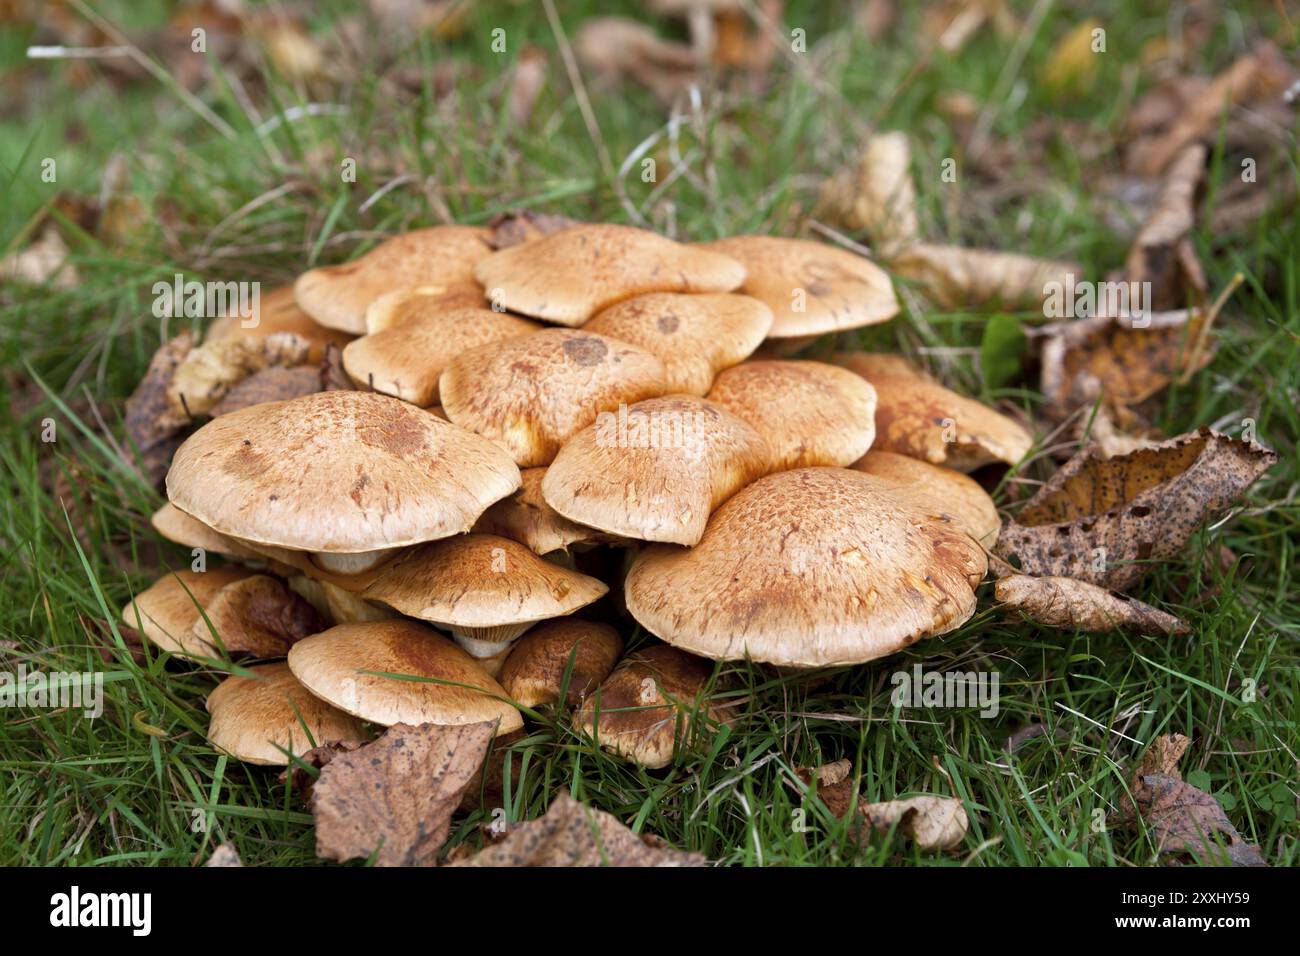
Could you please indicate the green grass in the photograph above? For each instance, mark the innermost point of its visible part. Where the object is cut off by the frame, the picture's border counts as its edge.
(124, 789)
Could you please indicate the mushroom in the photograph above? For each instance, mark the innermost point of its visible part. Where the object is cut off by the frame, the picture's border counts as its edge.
(255, 615)
(175, 525)
(809, 568)
(946, 493)
(695, 336)
(526, 517)
(655, 471)
(405, 360)
(569, 276)
(398, 671)
(485, 589)
(165, 613)
(812, 288)
(648, 704)
(337, 605)
(585, 651)
(810, 413)
(277, 312)
(264, 718)
(346, 475)
(402, 305)
(532, 393)
(918, 417)
(444, 256)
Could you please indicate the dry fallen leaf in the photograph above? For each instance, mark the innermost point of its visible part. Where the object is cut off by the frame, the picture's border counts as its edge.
(301, 780)
(955, 277)
(1067, 603)
(1163, 255)
(1072, 65)
(45, 260)
(616, 48)
(225, 855)
(333, 377)
(1103, 520)
(526, 85)
(394, 798)
(877, 196)
(514, 228)
(934, 823)
(275, 384)
(153, 423)
(571, 834)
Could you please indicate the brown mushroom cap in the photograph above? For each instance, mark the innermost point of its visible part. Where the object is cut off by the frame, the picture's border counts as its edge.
(918, 417)
(346, 666)
(941, 491)
(418, 302)
(532, 393)
(571, 275)
(809, 568)
(337, 472)
(277, 312)
(533, 673)
(168, 609)
(638, 709)
(835, 289)
(656, 470)
(175, 525)
(256, 719)
(526, 517)
(406, 360)
(694, 336)
(810, 413)
(338, 296)
(483, 586)
(255, 615)
(335, 604)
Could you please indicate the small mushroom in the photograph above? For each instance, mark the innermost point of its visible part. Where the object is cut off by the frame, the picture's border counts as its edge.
(695, 336)
(532, 393)
(526, 517)
(534, 672)
(255, 615)
(277, 312)
(406, 360)
(264, 718)
(419, 302)
(655, 471)
(810, 413)
(812, 288)
(165, 613)
(945, 493)
(485, 589)
(338, 296)
(918, 417)
(571, 275)
(398, 671)
(648, 704)
(814, 567)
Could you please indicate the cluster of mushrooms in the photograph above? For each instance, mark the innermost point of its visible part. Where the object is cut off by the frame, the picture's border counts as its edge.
(547, 443)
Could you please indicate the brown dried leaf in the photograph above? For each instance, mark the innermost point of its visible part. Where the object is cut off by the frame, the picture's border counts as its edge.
(515, 228)
(153, 424)
(275, 384)
(333, 378)
(571, 834)
(45, 260)
(395, 797)
(877, 196)
(304, 782)
(616, 48)
(1163, 254)
(1067, 603)
(934, 823)
(1101, 520)
(970, 278)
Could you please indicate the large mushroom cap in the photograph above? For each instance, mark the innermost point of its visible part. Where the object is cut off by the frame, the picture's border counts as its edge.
(263, 718)
(809, 568)
(656, 470)
(530, 394)
(534, 672)
(695, 336)
(175, 525)
(350, 666)
(918, 417)
(942, 491)
(338, 472)
(277, 312)
(406, 360)
(810, 413)
(812, 288)
(165, 613)
(526, 517)
(444, 256)
(571, 275)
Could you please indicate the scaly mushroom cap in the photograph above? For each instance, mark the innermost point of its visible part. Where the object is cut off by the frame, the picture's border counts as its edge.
(695, 336)
(175, 525)
(418, 302)
(168, 609)
(533, 673)
(406, 360)
(945, 493)
(256, 615)
(479, 581)
(810, 413)
(639, 709)
(444, 256)
(278, 312)
(346, 666)
(812, 288)
(571, 275)
(257, 719)
(809, 568)
(655, 471)
(526, 517)
(337, 472)
(531, 394)
(918, 417)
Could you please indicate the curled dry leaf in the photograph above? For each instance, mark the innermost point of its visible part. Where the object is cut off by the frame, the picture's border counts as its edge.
(513, 228)
(395, 797)
(1185, 823)
(934, 823)
(45, 260)
(616, 48)
(153, 423)
(1163, 255)
(225, 855)
(955, 277)
(877, 196)
(303, 781)
(275, 384)
(209, 371)
(1102, 520)
(571, 834)
(333, 377)
(1065, 602)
